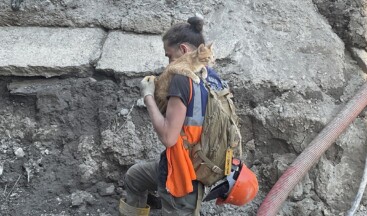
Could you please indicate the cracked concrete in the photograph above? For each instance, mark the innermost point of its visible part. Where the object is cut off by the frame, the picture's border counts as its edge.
(120, 54)
(48, 52)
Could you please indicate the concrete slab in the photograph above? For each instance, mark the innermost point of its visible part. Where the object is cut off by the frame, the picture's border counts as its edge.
(48, 52)
(132, 54)
(147, 16)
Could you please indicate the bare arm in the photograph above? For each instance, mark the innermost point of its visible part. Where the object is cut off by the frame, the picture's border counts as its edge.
(168, 128)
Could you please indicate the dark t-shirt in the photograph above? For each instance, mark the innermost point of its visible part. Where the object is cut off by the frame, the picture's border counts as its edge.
(180, 87)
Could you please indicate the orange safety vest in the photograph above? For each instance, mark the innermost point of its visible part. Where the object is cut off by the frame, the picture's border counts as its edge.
(181, 172)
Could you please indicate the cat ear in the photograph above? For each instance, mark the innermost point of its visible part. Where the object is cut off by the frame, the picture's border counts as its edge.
(210, 45)
(200, 48)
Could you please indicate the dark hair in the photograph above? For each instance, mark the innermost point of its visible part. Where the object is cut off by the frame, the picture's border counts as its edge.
(190, 32)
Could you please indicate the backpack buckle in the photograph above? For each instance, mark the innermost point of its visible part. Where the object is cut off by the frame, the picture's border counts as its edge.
(216, 169)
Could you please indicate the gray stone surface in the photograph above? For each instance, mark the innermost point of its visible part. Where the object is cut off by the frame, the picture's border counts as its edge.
(137, 16)
(105, 189)
(90, 165)
(286, 45)
(341, 169)
(361, 56)
(81, 198)
(132, 54)
(348, 19)
(19, 153)
(48, 52)
(129, 144)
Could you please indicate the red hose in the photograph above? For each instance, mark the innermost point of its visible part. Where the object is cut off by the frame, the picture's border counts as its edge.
(298, 169)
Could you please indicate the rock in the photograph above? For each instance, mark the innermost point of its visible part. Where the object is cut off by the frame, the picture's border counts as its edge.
(19, 152)
(124, 111)
(79, 198)
(294, 128)
(125, 145)
(90, 164)
(308, 207)
(250, 145)
(361, 56)
(140, 103)
(255, 53)
(339, 172)
(105, 189)
(348, 19)
(88, 169)
(121, 57)
(32, 87)
(1, 168)
(109, 191)
(48, 52)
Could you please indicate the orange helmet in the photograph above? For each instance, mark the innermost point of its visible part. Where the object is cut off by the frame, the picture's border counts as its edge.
(238, 188)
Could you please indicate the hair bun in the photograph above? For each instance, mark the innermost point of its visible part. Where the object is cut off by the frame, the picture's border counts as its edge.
(196, 22)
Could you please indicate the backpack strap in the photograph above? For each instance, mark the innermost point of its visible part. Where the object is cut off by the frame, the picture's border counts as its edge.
(223, 93)
(209, 163)
(199, 199)
(183, 135)
(190, 84)
(195, 150)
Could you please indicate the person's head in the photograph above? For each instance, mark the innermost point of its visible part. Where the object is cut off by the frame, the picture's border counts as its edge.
(183, 37)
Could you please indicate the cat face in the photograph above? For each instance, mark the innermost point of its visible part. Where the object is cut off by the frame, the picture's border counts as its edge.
(205, 54)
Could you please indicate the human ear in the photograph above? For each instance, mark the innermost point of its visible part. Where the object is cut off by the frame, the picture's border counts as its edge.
(184, 49)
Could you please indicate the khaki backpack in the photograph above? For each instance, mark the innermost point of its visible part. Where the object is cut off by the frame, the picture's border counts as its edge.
(220, 136)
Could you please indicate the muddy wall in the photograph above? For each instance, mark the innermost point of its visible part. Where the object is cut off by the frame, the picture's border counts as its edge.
(71, 121)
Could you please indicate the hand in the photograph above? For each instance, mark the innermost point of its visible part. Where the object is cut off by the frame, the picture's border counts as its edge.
(147, 86)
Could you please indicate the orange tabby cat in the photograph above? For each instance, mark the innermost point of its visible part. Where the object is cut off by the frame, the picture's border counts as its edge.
(188, 65)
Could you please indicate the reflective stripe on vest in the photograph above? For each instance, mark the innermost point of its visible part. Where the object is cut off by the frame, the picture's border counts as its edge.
(197, 118)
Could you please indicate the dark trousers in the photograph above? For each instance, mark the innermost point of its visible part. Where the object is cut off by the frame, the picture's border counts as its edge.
(143, 177)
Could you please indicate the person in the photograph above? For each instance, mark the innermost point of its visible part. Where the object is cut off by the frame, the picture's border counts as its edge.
(172, 176)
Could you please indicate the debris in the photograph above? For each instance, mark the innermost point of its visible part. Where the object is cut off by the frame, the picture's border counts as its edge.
(32, 87)
(19, 153)
(7, 132)
(250, 145)
(105, 189)
(79, 198)
(28, 170)
(92, 79)
(124, 111)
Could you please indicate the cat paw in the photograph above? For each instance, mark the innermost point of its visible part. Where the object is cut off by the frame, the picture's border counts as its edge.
(196, 80)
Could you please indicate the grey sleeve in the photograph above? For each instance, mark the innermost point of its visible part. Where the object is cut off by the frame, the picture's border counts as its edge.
(180, 87)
